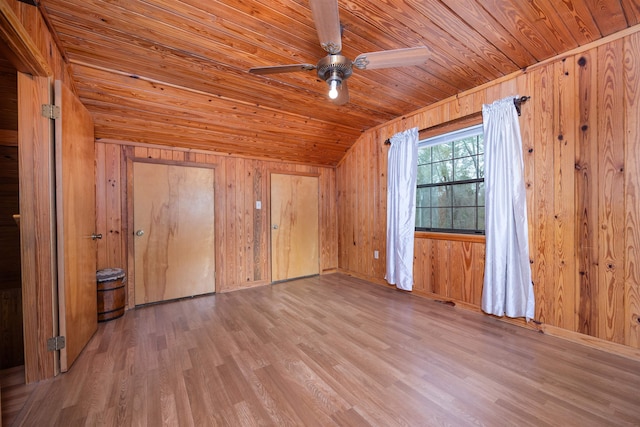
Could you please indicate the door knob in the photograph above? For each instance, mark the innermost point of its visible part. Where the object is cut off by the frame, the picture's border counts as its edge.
(140, 233)
(95, 236)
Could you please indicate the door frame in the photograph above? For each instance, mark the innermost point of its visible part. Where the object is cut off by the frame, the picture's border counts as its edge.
(129, 229)
(268, 207)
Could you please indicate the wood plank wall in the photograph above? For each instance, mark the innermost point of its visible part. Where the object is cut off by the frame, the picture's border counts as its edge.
(242, 232)
(8, 104)
(581, 141)
(12, 348)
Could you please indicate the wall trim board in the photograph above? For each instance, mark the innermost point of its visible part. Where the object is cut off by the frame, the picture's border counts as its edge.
(590, 341)
(174, 162)
(125, 143)
(250, 285)
(452, 237)
(20, 49)
(365, 277)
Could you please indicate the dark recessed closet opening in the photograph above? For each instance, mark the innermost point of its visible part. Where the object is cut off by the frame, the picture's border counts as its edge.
(11, 336)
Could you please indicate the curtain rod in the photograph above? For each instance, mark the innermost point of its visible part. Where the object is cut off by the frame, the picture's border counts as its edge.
(517, 102)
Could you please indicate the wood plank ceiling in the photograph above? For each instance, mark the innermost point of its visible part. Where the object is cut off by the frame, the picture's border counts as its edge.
(174, 72)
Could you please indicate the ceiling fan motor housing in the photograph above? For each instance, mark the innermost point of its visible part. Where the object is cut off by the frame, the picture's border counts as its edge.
(334, 66)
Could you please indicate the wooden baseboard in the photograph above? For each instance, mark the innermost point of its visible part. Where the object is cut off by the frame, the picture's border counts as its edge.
(593, 342)
(371, 279)
(247, 285)
(588, 340)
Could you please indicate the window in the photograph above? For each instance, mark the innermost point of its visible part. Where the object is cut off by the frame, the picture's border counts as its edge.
(450, 189)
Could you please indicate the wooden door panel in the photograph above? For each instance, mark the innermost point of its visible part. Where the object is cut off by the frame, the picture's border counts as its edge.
(75, 197)
(175, 253)
(294, 230)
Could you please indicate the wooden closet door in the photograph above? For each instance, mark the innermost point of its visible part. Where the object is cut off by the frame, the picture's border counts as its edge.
(173, 210)
(294, 226)
(76, 210)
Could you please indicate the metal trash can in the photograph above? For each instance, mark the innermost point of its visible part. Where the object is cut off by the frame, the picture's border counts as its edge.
(111, 293)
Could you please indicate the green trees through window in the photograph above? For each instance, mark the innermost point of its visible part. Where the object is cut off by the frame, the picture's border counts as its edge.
(450, 186)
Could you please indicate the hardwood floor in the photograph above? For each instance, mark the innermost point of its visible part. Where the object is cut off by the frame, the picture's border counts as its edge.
(14, 393)
(332, 350)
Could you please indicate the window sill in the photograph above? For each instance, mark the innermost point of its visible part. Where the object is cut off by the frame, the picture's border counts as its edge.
(456, 237)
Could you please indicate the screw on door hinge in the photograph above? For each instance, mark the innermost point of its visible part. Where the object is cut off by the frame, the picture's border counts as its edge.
(51, 111)
(55, 343)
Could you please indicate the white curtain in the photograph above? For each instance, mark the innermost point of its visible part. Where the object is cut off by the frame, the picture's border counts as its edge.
(508, 289)
(402, 170)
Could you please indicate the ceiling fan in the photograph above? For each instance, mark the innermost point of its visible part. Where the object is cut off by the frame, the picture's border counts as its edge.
(334, 68)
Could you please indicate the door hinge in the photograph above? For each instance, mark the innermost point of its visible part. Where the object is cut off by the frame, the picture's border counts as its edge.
(51, 111)
(55, 343)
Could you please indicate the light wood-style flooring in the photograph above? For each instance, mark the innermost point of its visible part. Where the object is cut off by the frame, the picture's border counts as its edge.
(332, 350)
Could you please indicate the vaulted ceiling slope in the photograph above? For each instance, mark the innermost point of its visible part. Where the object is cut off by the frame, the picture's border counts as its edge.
(175, 72)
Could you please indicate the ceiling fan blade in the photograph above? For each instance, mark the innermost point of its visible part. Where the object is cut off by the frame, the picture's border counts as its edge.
(327, 18)
(392, 58)
(343, 94)
(281, 69)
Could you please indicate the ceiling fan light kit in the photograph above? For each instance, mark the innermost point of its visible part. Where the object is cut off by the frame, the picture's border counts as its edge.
(335, 68)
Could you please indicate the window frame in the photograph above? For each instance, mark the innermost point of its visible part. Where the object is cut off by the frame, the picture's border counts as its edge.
(456, 126)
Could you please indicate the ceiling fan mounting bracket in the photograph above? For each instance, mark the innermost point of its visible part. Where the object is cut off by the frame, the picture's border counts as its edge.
(332, 65)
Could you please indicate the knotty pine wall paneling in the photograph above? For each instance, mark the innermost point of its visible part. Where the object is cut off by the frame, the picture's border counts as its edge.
(587, 160)
(581, 140)
(109, 171)
(564, 108)
(610, 125)
(631, 75)
(242, 231)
